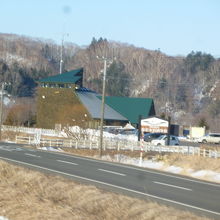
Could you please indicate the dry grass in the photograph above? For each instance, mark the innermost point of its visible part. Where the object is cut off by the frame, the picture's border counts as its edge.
(27, 194)
(188, 163)
(111, 153)
(10, 135)
(180, 160)
(192, 162)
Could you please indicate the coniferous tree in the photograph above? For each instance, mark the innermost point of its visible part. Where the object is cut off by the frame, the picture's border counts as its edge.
(117, 80)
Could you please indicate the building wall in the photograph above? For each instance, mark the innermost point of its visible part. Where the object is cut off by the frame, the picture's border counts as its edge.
(154, 125)
(196, 132)
(60, 106)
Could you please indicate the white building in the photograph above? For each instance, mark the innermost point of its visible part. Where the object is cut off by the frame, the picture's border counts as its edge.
(154, 125)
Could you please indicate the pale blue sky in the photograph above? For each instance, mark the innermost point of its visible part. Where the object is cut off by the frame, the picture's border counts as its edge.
(175, 26)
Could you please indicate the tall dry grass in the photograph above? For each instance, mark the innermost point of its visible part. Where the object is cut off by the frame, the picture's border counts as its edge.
(184, 161)
(30, 195)
(192, 162)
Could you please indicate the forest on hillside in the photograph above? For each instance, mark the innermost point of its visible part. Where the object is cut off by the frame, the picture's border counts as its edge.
(187, 88)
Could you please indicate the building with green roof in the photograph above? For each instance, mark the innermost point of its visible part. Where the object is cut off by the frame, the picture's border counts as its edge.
(131, 108)
(64, 80)
(62, 99)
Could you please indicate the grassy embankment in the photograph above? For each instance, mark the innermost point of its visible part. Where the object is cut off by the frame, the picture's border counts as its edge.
(29, 195)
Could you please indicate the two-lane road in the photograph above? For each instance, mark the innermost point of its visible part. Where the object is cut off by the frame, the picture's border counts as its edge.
(186, 193)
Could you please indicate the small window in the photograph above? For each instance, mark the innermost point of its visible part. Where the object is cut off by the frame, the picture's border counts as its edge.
(216, 135)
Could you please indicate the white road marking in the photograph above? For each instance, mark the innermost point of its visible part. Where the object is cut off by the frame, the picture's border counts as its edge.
(179, 187)
(119, 187)
(32, 155)
(109, 171)
(62, 161)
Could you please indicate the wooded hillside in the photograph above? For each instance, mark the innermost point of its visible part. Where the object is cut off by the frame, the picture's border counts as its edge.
(187, 88)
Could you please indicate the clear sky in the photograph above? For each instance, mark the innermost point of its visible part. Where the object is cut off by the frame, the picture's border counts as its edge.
(176, 27)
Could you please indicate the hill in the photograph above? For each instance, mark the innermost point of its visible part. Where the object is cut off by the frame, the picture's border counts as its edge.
(187, 88)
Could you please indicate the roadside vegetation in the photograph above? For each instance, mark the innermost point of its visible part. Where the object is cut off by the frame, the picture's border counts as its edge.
(27, 194)
(192, 162)
(172, 159)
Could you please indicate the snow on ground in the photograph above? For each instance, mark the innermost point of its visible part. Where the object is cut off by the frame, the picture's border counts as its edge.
(201, 174)
(120, 158)
(174, 169)
(209, 174)
(94, 133)
(50, 149)
(3, 218)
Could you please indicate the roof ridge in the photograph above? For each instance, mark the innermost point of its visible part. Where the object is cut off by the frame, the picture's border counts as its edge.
(68, 77)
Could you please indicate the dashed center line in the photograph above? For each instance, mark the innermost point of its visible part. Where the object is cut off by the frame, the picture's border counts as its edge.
(62, 161)
(179, 187)
(32, 155)
(109, 171)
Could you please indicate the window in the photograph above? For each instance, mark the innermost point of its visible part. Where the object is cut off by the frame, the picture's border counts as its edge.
(61, 85)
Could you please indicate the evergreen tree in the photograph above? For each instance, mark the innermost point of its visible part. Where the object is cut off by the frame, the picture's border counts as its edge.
(162, 83)
(198, 61)
(214, 109)
(203, 123)
(94, 41)
(118, 81)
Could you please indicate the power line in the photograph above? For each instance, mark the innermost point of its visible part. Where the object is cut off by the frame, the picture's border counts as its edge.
(151, 82)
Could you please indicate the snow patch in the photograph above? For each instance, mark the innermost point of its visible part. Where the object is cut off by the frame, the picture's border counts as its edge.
(3, 218)
(51, 148)
(174, 169)
(201, 174)
(207, 174)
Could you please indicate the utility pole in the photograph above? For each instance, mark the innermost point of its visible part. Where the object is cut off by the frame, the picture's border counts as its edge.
(139, 127)
(168, 134)
(102, 109)
(61, 53)
(1, 109)
(106, 61)
(61, 57)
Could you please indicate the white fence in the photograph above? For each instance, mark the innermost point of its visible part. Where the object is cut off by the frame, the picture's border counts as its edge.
(49, 132)
(117, 145)
(108, 143)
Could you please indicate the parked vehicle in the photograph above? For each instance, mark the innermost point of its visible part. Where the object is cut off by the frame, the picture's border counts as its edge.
(213, 138)
(128, 132)
(148, 137)
(162, 140)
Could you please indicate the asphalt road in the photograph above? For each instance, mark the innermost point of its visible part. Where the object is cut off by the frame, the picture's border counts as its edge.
(175, 190)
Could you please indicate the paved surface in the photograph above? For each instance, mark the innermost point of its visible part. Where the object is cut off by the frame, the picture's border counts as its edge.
(182, 192)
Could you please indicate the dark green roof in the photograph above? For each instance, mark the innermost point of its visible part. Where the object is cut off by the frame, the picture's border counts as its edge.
(131, 108)
(67, 77)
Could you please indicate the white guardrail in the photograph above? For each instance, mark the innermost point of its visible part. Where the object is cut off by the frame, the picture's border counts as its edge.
(117, 145)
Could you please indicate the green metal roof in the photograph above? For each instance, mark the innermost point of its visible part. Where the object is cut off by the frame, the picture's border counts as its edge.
(131, 108)
(67, 77)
